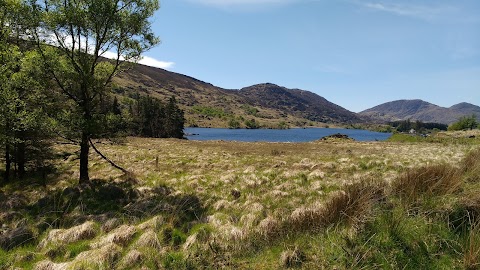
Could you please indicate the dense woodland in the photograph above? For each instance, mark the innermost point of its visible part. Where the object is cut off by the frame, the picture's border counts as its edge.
(55, 84)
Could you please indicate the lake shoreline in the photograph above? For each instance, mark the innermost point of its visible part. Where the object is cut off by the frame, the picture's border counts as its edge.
(280, 135)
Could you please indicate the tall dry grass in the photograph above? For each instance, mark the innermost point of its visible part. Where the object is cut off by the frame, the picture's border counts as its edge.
(428, 180)
(471, 166)
(471, 254)
(349, 206)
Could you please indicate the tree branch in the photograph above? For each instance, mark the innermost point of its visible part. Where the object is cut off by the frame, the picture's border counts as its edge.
(107, 159)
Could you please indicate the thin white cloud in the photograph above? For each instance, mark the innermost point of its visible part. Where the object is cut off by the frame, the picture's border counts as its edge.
(152, 62)
(428, 13)
(145, 60)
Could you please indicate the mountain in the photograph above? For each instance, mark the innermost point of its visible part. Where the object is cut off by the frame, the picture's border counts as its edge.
(297, 102)
(466, 109)
(207, 105)
(420, 110)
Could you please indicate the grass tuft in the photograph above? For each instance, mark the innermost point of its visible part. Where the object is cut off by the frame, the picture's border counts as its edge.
(84, 231)
(120, 236)
(471, 255)
(433, 180)
(351, 205)
(149, 239)
(292, 258)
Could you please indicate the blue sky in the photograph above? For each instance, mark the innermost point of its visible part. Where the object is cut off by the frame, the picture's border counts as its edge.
(355, 53)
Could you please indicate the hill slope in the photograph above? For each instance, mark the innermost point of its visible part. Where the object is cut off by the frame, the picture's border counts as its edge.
(466, 109)
(297, 102)
(420, 110)
(210, 106)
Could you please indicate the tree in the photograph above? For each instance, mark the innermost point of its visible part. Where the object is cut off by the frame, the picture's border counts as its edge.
(174, 121)
(8, 55)
(464, 123)
(72, 36)
(152, 118)
(23, 128)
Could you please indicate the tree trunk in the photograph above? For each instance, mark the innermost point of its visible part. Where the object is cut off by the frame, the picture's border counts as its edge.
(84, 149)
(20, 159)
(8, 163)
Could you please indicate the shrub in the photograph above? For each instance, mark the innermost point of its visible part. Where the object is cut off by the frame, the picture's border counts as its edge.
(464, 123)
(233, 123)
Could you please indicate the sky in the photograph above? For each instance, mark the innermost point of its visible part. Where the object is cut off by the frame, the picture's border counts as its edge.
(355, 53)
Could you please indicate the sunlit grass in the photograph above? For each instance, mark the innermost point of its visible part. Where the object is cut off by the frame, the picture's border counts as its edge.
(263, 206)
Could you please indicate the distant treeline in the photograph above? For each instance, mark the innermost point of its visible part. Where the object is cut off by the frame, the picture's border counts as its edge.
(407, 125)
(153, 118)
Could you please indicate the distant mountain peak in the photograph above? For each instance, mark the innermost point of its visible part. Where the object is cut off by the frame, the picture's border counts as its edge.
(463, 105)
(417, 109)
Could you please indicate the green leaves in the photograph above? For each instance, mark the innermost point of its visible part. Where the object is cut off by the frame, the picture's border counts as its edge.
(464, 123)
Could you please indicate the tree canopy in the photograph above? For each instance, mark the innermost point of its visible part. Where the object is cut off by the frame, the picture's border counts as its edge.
(72, 37)
(464, 123)
(55, 80)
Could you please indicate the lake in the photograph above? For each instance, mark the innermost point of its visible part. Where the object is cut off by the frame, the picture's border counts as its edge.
(279, 135)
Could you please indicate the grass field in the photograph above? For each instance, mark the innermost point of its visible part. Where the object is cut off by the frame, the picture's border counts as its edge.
(336, 204)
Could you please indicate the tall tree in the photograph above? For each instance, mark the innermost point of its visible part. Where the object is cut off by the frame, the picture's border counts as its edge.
(175, 120)
(10, 56)
(72, 36)
(24, 122)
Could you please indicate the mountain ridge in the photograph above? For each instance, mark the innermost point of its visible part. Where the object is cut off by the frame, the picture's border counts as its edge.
(417, 109)
(207, 105)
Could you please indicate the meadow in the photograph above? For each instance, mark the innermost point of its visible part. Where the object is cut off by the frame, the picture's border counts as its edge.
(335, 204)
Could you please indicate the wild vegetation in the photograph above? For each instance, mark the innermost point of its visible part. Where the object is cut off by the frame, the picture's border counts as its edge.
(177, 204)
(195, 205)
(465, 123)
(56, 83)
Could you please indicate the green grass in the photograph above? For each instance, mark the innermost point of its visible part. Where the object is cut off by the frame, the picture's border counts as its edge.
(444, 138)
(349, 205)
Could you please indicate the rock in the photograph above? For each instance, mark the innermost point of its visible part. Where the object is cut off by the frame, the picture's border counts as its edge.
(337, 136)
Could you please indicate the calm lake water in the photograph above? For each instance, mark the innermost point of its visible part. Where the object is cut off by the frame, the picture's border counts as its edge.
(279, 135)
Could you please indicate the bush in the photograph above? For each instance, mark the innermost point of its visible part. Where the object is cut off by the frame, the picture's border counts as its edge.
(233, 123)
(251, 124)
(464, 123)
